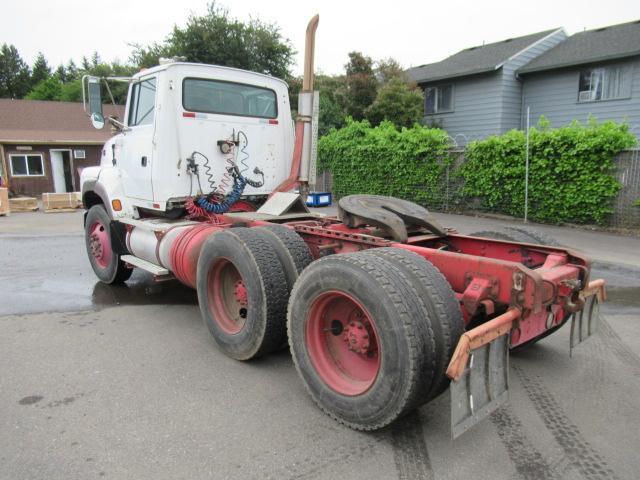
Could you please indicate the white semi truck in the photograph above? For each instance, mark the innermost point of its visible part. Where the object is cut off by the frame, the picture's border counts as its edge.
(382, 307)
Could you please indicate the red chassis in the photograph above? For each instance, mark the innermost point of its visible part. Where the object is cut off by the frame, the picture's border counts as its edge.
(502, 286)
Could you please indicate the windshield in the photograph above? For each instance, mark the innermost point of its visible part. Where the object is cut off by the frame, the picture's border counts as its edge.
(216, 96)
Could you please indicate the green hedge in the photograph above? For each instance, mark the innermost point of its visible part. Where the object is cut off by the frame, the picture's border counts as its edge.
(409, 163)
(570, 177)
(570, 171)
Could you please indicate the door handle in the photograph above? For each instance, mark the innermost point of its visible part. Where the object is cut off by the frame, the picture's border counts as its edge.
(143, 161)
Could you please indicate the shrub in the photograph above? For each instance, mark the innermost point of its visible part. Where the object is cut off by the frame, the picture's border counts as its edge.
(408, 163)
(570, 171)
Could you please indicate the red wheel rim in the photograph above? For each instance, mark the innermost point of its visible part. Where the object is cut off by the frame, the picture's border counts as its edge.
(342, 342)
(228, 299)
(100, 244)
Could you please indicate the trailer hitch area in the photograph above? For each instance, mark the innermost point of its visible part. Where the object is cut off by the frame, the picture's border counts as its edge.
(479, 370)
(586, 321)
(390, 214)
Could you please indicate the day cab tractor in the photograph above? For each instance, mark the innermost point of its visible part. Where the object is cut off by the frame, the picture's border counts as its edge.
(383, 308)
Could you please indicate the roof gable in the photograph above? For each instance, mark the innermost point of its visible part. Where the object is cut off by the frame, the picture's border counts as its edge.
(474, 60)
(55, 122)
(601, 44)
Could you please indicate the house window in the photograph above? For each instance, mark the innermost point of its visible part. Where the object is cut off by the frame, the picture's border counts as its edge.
(438, 99)
(26, 165)
(604, 83)
(79, 154)
(143, 100)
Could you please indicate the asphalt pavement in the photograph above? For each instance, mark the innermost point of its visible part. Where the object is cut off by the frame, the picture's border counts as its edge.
(124, 382)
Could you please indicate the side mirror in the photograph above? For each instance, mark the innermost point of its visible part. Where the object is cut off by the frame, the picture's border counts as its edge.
(95, 102)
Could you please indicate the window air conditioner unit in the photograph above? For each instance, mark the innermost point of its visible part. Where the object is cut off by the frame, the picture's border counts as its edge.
(586, 95)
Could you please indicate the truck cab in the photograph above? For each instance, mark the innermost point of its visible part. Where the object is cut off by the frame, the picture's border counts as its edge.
(184, 115)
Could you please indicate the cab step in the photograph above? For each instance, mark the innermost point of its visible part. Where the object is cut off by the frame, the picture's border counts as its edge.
(144, 265)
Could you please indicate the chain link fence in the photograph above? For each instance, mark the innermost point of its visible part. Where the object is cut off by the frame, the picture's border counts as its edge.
(626, 209)
(449, 198)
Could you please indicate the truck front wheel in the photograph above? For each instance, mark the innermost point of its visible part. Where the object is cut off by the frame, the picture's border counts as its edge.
(105, 262)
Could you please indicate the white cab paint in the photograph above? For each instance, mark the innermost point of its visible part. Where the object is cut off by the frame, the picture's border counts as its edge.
(172, 137)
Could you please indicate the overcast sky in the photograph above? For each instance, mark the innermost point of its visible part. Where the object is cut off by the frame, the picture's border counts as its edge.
(413, 32)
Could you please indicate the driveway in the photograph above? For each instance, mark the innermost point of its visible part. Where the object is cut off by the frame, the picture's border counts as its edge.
(125, 382)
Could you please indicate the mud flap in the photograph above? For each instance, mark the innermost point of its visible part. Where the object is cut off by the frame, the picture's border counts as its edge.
(585, 322)
(483, 386)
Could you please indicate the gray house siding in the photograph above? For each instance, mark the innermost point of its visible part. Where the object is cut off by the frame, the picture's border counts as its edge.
(554, 94)
(476, 108)
(489, 104)
(512, 86)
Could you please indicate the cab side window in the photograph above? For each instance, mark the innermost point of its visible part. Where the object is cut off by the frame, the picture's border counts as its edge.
(143, 100)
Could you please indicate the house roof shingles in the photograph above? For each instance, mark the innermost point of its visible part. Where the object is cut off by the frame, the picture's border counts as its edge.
(35, 121)
(474, 60)
(601, 44)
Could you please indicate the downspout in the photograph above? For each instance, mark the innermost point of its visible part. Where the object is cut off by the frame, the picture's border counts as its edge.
(519, 79)
(301, 160)
(3, 164)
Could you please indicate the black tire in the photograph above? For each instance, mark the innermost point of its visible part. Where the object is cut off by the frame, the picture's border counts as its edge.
(292, 251)
(263, 325)
(494, 235)
(406, 350)
(442, 306)
(115, 271)
(519, 234)
(536, 236)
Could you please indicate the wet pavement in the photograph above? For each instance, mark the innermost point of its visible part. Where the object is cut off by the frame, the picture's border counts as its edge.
(119, 382)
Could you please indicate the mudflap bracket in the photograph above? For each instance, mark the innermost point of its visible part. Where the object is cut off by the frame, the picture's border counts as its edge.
(586, 322)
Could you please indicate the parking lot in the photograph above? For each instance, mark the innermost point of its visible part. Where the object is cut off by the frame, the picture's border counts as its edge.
(122, 382)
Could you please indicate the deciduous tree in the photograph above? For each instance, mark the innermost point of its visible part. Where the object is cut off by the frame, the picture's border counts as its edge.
(398, 102)
(217, 38)
(360, 85)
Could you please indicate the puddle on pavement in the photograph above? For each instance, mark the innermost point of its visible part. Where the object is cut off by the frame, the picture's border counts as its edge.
(143, 290)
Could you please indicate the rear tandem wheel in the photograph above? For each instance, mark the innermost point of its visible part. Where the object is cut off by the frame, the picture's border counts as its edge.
(242, 292)
(359, 341)
(442, 308)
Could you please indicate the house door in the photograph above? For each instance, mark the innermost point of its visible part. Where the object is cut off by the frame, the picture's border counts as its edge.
(61, 170)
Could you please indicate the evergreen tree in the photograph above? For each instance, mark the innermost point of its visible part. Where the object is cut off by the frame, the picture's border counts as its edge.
(71, 70)
(40, 71)
(61, 73)
(14, 73)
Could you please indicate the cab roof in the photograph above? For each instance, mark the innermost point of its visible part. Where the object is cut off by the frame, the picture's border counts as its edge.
(179, 65)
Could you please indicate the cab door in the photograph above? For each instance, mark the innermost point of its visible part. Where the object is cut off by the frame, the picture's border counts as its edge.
(138, 143)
